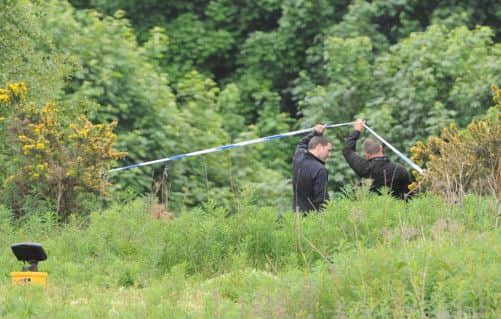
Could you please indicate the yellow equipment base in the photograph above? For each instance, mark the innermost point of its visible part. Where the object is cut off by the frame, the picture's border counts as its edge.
(29, 277)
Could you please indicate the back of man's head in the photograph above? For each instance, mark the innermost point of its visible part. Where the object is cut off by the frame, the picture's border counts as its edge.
(317, 140)
(372, 146)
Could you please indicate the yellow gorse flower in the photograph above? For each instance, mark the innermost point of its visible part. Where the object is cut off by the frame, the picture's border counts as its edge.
(42, 167)
(13, 90)
(18, 89)
(37, 129)
(24, 138)
(8, 180)
(4, 98)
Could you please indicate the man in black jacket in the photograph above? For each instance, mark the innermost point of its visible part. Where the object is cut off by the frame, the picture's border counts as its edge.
(375, 165)
(309, 182)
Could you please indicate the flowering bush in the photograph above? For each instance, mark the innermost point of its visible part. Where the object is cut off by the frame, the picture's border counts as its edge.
(55, 158)
(464, 161)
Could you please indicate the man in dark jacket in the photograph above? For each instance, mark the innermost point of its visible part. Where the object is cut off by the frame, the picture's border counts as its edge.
(375, 165)
(309, 182)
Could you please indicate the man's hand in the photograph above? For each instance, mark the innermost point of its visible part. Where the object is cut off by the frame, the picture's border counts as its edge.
(358, 125)
(319, 129)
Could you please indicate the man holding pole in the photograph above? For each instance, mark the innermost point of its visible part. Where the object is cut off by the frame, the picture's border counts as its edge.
(309, 182)
(376, 165)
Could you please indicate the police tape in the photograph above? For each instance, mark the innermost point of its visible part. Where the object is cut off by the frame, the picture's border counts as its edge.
(254, 141)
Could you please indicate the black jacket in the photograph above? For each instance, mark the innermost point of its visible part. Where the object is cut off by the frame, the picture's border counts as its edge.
(381, 170)
(309, 182)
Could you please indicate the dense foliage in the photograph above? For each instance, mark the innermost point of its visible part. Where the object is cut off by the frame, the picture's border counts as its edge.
(184, 76)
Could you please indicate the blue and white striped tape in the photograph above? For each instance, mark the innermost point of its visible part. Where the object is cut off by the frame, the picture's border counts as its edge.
(223, 147)
(254, 141)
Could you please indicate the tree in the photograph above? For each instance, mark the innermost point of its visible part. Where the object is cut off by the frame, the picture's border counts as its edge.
(27, 54)
(119, 77)
(156, 118)
(434, 77)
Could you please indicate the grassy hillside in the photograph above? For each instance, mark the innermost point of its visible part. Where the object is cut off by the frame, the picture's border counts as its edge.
(374, 257)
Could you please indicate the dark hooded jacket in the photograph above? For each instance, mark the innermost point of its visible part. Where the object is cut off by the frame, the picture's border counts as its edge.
(309, 182)
(381, 170)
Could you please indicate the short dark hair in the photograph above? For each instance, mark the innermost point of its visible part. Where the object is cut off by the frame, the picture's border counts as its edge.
(372, 146)
(322, 140)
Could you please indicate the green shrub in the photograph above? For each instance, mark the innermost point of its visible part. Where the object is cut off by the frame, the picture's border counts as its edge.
(464, 161)
(56, 156)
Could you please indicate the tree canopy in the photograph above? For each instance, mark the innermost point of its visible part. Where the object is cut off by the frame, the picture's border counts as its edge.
(182, 76)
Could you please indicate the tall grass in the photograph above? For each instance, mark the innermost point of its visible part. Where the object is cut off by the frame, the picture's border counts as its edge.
(375, 257)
